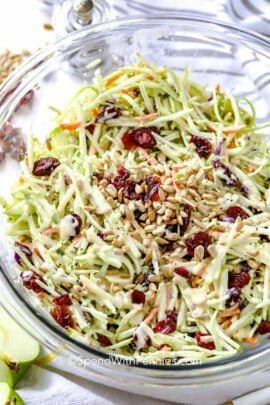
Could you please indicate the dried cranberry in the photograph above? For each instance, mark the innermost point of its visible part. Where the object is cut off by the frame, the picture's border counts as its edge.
(137, 345)
(186, 220)
(239, 280)
(171, 315)
(103, 340)
(235, 211)
(124, 173)
(183, 272)
(45, 166)
(153, 183)
(108, 111)
(234, 297)
(137, 297)
(121, 179)
(11, 142)
(245, 266)
(29, 280)
(168, 325)
(142, 137)
(26, 99)
(90, 127)
(263, 328)
(62, 315)
(198, 239)
(25, 250)
(203, 146)
(76, 222)
(128, 140)
(201, 343)
(63, 299)
(129, 191)
(228, 177)
(234, 293)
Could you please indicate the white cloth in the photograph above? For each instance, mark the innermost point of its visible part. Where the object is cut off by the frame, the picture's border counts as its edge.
(21, 27)
(45, 386)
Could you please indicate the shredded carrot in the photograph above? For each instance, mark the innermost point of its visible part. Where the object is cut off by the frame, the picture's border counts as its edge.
(151, 316)
(95, 111)
(51, 231)
(71, 126)
(239, 227)
(217, 228)
(176, 169)
(150, 77)
(35, 250)
(229, 313)
(146, 117)
(232, 131)
(166, 348)
(30, 246)
(113, 78)
(251, 340)
(249, 168)
(76, 240)
(232, 144)
(226, 324)
(217, 88)
(129, 90)
(210, 129)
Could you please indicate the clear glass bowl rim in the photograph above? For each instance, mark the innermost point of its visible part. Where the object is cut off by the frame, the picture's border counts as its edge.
(8, 101)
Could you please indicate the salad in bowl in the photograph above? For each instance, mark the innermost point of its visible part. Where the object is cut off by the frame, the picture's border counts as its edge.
(142, 223)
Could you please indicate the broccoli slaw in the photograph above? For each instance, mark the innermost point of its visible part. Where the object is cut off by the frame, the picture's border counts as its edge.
(142, 224)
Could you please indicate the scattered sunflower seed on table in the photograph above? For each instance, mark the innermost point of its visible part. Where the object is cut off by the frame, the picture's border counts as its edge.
(9, 61)
(11, 141)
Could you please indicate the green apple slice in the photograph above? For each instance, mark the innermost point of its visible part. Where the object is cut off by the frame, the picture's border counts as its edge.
(17, 348)
(5, 374)
(8, 396)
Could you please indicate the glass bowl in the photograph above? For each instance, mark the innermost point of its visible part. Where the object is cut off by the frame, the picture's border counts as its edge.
(216, 52)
